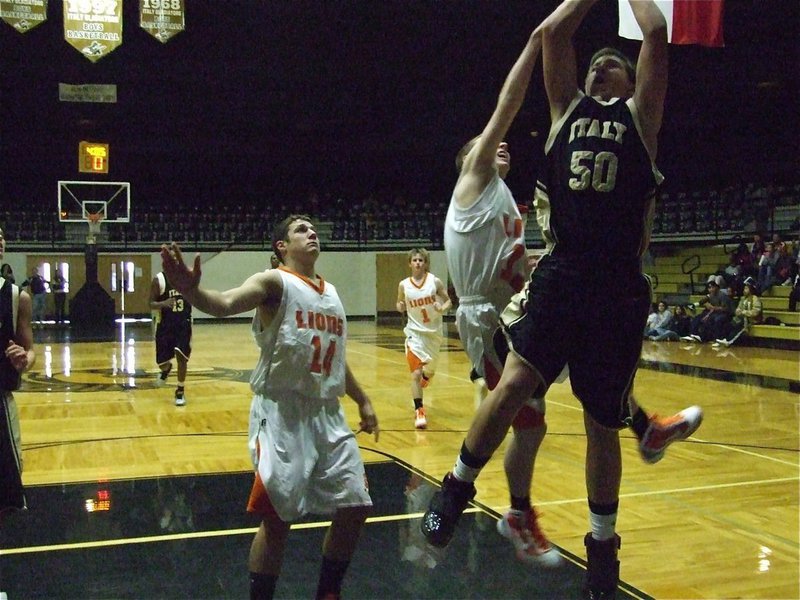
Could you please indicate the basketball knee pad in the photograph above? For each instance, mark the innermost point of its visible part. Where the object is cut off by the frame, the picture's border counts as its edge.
(529, 417)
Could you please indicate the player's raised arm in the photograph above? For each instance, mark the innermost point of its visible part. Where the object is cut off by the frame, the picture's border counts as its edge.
(258, 289)
(651, 70)
(558, 54)
(479, 164)
(510, 100)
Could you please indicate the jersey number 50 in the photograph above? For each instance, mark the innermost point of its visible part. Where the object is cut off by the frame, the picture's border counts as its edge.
(599, 170)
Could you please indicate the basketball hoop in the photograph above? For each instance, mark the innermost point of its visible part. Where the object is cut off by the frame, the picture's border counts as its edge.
(94, 220)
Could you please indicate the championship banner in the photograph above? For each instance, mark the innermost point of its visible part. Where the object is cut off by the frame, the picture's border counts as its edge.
(89, 92)
(23, 15)
(93, 27)
(688, 21)
(161, 18)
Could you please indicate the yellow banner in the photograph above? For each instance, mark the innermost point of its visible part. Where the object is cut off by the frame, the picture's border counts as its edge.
(93, 27)
(23, 15)
(162, 18)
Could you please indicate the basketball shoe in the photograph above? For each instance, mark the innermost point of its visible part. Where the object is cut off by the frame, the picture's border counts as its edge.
(602, 568)
(420, 421)
(662, 431)
(162, 376)
(180, 397)
(425, 381)
(532, 547)
(439, 522)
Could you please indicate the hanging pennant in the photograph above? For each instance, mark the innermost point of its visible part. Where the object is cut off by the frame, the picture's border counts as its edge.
(93, 27)
(23, 15)
(161, 18)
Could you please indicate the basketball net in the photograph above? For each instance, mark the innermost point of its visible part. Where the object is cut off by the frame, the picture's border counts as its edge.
(94, 220)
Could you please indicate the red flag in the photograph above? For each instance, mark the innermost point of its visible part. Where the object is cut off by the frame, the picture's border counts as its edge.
(688, 21)
(697, 22)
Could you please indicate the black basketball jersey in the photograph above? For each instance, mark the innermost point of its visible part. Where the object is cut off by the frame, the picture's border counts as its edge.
(182, 311)
(597, 190)
(9, 299)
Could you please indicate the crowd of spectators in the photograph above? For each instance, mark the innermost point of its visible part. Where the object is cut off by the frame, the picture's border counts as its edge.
(671, 329)
(769, 263)
(723, 317)
(732, 304)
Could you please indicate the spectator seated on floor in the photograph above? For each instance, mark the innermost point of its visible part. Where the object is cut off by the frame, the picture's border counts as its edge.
(678, 326)
(732, 291)
(717, 311)
(658, 319)
(748, 313)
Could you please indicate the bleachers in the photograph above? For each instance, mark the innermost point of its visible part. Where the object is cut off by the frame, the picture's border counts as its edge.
(681, 271)
(710, 260)
(390, 220)
(688, 215)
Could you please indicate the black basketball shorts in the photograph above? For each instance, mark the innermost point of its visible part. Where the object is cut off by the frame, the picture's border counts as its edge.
(589, 318)
(176, 337)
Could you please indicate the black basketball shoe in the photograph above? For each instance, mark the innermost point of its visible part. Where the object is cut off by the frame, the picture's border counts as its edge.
(602, 571)
(439, 522)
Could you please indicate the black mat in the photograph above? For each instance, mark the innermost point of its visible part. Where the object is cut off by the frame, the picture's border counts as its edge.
(188, 537)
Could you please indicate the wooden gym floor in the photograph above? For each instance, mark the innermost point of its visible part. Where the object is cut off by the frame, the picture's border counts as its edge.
(130, 496)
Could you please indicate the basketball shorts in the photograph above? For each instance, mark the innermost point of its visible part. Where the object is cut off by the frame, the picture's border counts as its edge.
(422, 349)
(306, 459)
(479, 328)
(477, 321)
(592, 323)
(171, 339)
(12, 495)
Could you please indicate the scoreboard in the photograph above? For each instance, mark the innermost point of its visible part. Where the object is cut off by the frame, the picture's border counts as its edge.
(92, 157)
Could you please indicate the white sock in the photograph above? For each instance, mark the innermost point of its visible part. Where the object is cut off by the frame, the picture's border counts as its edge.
(464, 473)
(603, 526)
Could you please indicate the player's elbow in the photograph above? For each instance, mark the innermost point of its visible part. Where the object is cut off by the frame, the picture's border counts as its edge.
(551, 32)
(655, 32)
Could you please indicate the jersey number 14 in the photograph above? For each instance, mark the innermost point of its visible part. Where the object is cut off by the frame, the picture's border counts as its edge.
(323, 366)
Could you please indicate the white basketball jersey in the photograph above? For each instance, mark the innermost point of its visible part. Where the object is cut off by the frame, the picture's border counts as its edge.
(422, 317)
(303, 349)
(485, 246)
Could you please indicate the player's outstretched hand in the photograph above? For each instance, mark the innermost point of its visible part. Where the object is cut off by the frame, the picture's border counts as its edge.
(181, 277)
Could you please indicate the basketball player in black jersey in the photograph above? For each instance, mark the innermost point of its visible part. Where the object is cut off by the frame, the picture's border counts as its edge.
(173, 332)
(597, 191)
(16, 356)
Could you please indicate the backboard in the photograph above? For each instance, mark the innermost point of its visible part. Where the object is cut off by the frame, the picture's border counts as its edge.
(77, 200)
